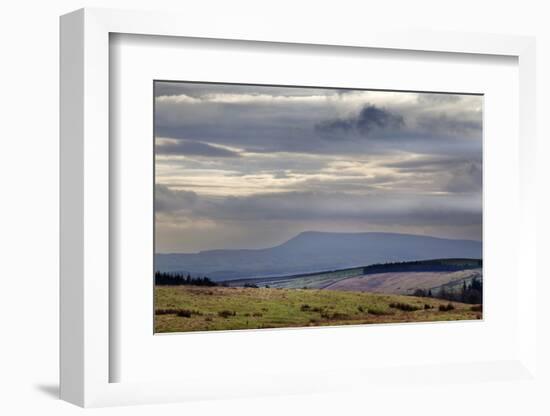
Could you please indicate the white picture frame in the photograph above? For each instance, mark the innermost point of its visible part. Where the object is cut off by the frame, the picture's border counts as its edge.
(86, 355)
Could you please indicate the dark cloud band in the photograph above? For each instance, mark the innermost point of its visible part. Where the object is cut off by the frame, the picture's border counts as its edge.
(369, 118)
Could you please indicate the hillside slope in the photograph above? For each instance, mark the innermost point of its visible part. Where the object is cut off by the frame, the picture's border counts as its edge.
(403, 283)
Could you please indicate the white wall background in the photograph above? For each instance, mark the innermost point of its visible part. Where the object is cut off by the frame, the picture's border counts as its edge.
(29, 205)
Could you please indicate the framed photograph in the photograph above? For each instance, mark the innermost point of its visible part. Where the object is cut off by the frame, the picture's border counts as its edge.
(285, 206)
(291, 210)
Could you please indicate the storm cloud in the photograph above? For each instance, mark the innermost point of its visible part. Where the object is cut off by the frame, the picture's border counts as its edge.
(369, 118)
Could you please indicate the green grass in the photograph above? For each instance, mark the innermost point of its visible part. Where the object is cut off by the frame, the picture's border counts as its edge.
(225, 308)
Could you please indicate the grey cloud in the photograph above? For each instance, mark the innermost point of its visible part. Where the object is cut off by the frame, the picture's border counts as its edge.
(253, 127)
(438, 98)
(193, 148)
(203, 90)
(376, 208)
(435, 163)
(370, 117)
(351, 183)
(422, 163)
(296, 126)
(167, 200)
(467, 178)
(251, 164)
(449, 174)
(196, 90)
(442, 123)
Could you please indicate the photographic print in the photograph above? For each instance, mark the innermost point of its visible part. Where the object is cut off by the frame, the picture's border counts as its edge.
(283, 206)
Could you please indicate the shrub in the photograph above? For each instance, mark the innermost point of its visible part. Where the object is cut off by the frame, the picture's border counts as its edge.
(167, 311)
(477, 308)
(446, 308)
(251, 285)
(335, 315)
(325, 315)
(426, 306)
(339, 316)
(257, 314)
(226, 313)
(305, 307)
(186, 313)
(360, 309)
(420, 293)
(378, 312)
(404, 306)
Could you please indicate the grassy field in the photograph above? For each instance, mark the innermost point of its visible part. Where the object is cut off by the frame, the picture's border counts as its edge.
(193, 308)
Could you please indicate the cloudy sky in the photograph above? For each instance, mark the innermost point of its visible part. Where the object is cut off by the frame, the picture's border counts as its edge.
(251, 166)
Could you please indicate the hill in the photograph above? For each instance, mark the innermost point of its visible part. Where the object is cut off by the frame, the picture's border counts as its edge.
(396, 278)
(446, 278)
(314, 251)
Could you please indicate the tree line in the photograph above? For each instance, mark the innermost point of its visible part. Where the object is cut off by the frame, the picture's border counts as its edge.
(176, 279)
(471, 293)
(447, 265)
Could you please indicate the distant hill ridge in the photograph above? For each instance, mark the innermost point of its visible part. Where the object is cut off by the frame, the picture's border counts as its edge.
(312, 251)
